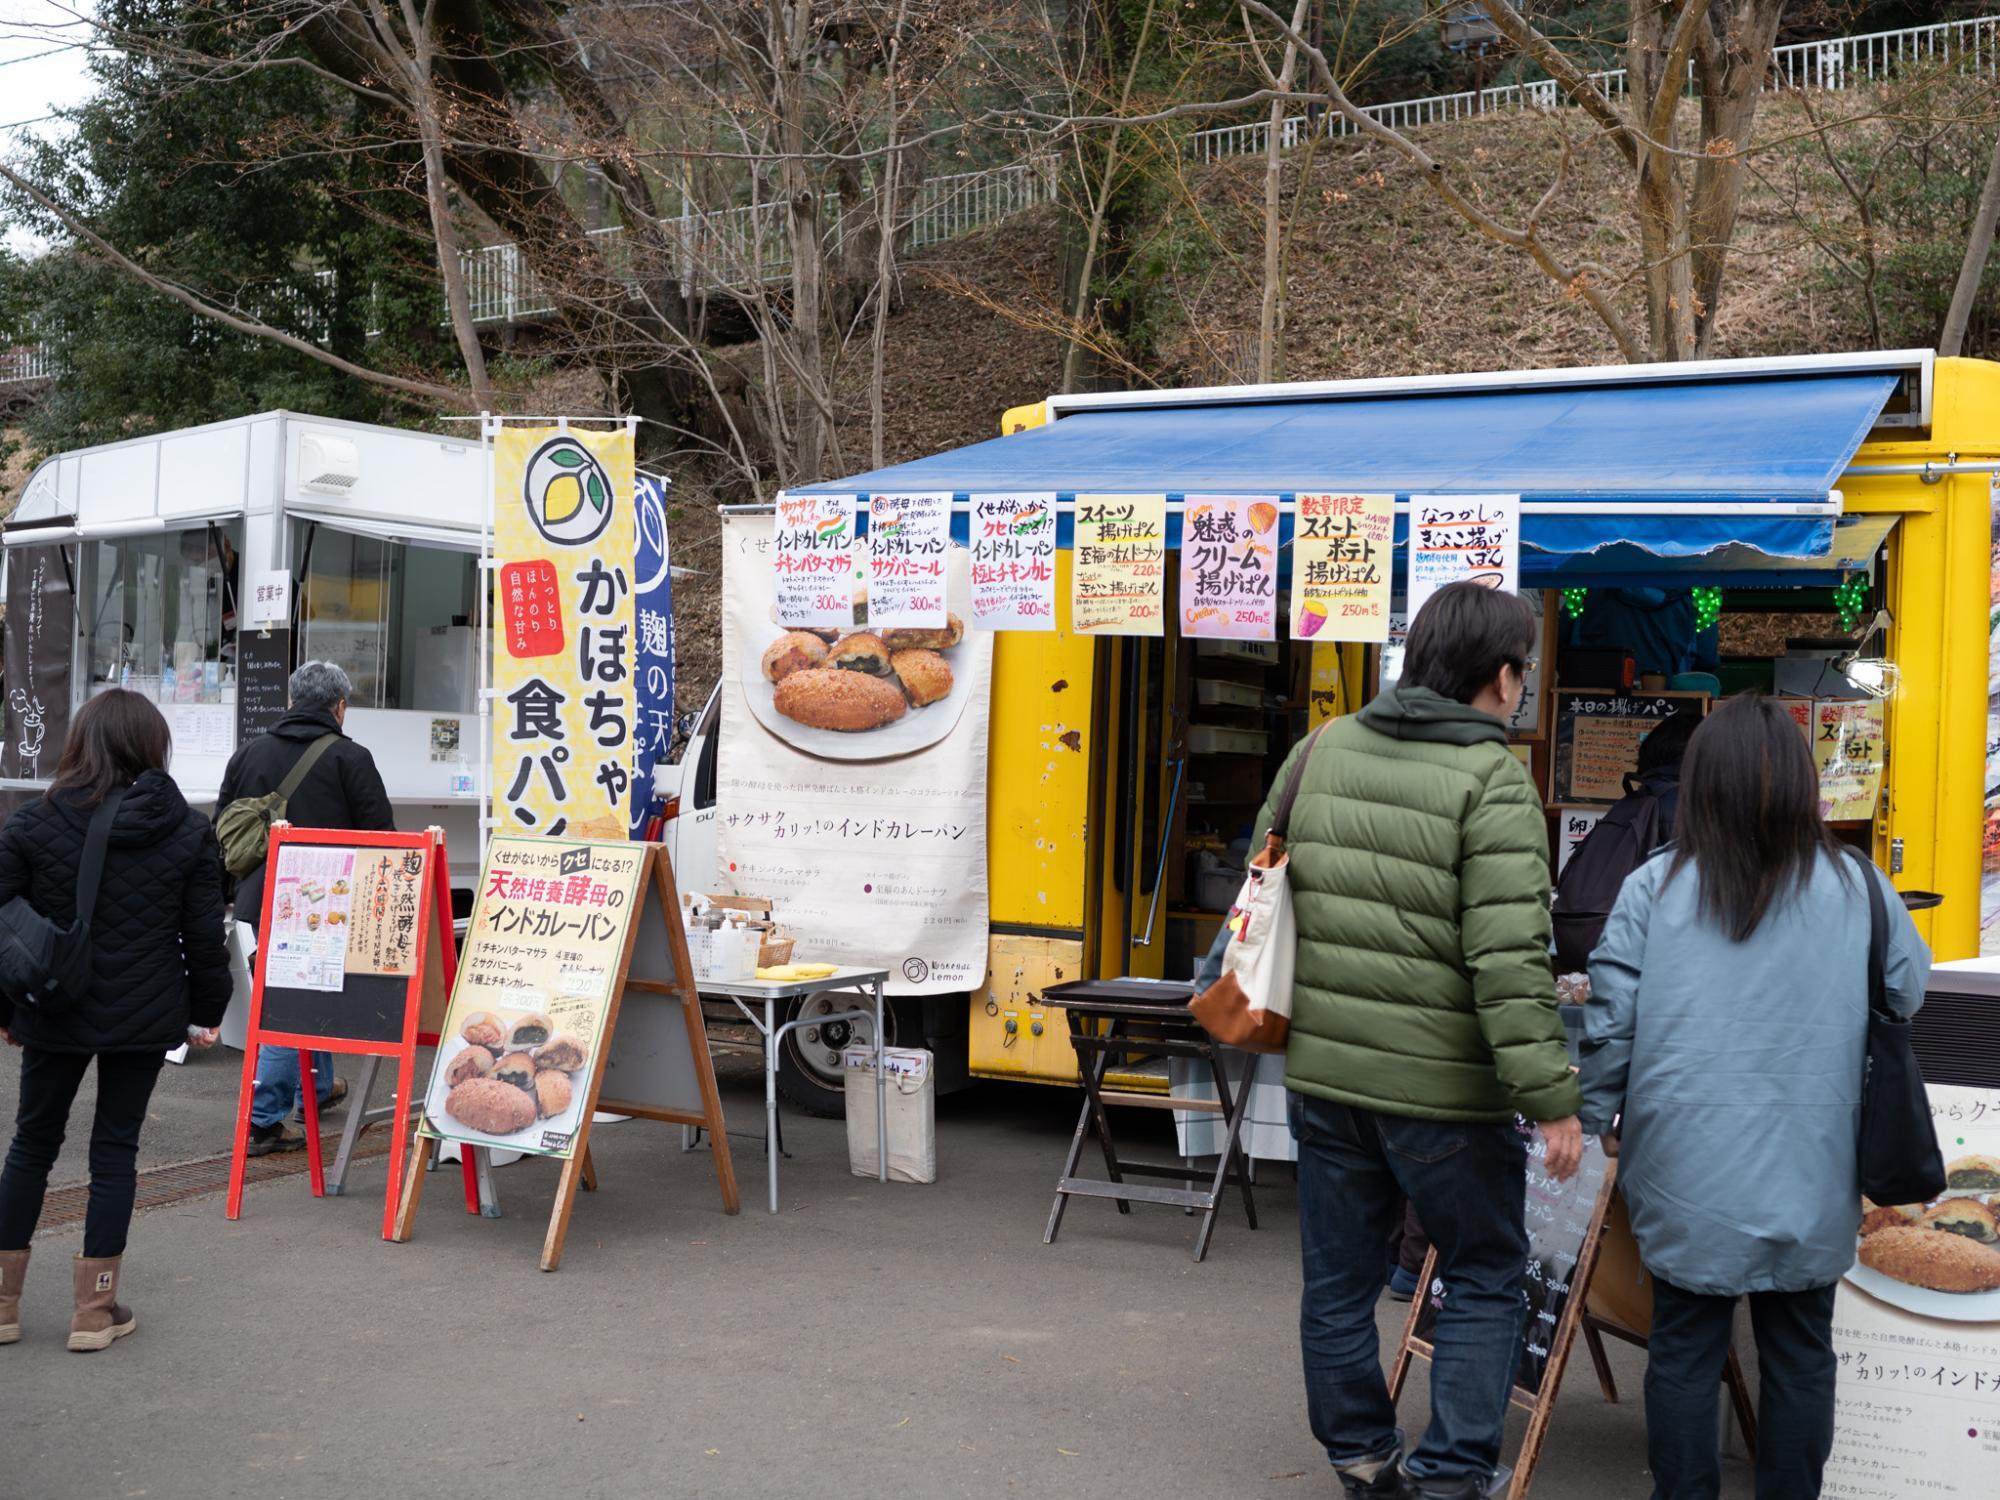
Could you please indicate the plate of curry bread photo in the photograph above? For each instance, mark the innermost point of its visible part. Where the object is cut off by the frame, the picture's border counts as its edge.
(503, 1073)
(857, 693)
(1939, 1259)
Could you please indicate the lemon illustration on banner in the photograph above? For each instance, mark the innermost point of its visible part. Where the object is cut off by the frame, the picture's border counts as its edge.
(567, 492)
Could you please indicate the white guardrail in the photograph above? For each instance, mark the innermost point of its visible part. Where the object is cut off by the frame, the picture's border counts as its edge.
(741, 246)
(1838, 63)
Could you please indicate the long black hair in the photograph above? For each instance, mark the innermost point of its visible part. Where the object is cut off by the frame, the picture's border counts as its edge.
(113, 739)
(1749, 818)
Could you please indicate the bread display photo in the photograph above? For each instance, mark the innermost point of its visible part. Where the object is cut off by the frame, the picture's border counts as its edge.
(862, 681)
(1951, 1244)
(507, 1073)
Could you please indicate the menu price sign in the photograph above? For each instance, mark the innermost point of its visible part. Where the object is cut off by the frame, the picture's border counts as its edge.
(1229, 567)
(1847, 746)
(263, 681)
(1597, 737)
(1341, 546)
(1573, 826)
(812, 551)
(1014, 562)
(1118, 567)
(1463, 539)
(908, 536)
(312, 900)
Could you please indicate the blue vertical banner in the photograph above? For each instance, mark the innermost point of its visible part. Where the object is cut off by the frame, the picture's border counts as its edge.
(653, 594)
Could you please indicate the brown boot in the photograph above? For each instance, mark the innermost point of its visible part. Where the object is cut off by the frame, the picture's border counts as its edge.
(98, 1318)
(13, 1273)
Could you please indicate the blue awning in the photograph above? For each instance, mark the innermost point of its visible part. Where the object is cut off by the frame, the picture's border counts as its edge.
(1856, 541)
(1673, 470)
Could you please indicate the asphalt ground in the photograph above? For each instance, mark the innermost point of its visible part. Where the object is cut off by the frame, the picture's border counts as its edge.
(869, 1339)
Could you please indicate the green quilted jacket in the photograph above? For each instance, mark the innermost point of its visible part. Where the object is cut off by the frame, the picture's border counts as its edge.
(1420, 879)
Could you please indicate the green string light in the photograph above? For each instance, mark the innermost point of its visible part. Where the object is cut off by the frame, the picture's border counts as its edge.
(1851, 599)
(1573, 601)
(1707, 608)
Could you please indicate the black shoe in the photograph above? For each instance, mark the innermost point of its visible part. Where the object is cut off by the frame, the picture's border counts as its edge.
(264, 1139)
(1465, 1488)
(1389, 1483)
(335, 1097)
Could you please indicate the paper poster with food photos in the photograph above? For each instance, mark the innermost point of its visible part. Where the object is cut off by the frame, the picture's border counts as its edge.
(1229, 567)
(1916, 1327)
(852, 788)
(540, 963)
(566, 545)
(312, 900)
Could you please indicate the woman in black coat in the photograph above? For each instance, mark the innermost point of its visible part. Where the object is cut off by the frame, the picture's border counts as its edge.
(159, 976)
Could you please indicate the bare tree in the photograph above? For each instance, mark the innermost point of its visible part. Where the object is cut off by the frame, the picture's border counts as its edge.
(1978, 245)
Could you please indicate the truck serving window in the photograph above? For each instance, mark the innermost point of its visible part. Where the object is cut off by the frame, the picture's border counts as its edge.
(396, 617)
(161, 617)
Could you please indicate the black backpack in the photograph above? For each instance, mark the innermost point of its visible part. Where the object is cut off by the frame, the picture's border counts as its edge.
(44, 965)
(1624, 839)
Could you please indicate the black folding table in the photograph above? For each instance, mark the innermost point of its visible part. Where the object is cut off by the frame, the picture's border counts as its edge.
(1113, 1020)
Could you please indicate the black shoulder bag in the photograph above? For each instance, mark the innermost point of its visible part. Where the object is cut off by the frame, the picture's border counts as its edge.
(1899, 1156)
(43, 965)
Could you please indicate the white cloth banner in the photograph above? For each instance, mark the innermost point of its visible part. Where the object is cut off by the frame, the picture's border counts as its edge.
(856, 802)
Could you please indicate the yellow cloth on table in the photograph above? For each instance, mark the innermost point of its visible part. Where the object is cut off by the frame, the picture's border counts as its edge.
(797, 971)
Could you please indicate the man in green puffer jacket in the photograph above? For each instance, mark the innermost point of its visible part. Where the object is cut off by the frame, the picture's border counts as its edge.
(1423, 1022)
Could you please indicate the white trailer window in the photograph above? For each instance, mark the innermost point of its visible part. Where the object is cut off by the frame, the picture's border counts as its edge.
(397, 617)
(161, 617)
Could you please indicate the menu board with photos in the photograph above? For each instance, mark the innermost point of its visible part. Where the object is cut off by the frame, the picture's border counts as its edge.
(1597, 735)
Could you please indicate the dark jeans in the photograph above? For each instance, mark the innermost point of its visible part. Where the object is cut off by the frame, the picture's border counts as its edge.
(1467, 1184)
(1796, 1366)
(49, 1081)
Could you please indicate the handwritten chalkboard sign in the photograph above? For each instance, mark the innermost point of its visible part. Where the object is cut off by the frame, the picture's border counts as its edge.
(1596, 739)
(263, 680)
(1565, 1224)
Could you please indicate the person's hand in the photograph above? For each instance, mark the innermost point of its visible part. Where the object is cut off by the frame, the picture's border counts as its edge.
(201, 1038)
(1610, 1145)
(8, 1037)
(1564, 1141)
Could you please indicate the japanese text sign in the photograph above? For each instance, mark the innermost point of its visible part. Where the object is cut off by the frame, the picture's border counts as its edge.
(812, 553)
(1342, 547)
(566, 540)
(542, 959)
(1463, 539)
(270, 599)
(908, 536)
(1014, 562)
(1118, 570)
(1847, 745)
(652, 592)
(1229, 566)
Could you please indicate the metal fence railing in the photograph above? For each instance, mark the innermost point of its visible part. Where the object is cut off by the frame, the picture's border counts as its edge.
(22, 364)
(1838, 63)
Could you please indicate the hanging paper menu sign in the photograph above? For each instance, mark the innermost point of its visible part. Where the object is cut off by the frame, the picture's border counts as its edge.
(1463, 539)
(812, 551)
(908, 536)
(1848, 748)
(1014, 562)
(1229, 567)
(1341, 548)
(1118, 576)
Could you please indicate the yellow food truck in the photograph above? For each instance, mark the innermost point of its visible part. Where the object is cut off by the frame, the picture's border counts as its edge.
(1828, 520)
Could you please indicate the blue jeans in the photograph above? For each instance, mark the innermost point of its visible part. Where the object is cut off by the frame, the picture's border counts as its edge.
(276, 1093)
(1467, 1184)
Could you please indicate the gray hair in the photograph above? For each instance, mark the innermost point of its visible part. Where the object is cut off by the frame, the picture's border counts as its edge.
(319, 684)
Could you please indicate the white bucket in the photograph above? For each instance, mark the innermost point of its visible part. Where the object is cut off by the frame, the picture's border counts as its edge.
(911, 1103)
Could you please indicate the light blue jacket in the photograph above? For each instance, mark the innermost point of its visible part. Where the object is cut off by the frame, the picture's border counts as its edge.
(1737, 1067)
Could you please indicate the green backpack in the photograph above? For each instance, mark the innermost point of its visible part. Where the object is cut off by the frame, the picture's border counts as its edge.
(244, 829)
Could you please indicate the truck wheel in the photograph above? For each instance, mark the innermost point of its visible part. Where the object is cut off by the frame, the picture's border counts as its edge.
(809, 1071)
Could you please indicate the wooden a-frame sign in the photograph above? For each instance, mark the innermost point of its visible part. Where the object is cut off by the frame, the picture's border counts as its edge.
(1579, 1238)
(652, 961)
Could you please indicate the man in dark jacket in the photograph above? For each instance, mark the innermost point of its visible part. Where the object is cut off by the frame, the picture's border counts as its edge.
(342, 790)
(1424, 1021)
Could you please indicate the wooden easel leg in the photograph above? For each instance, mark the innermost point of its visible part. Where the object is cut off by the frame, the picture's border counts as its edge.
(589, 1172)
(240, 1150)
(1399, 1370)
(413, 1194)
(1594, 1342)
(566, 1189)
(401, 1143)
(1739, 1400)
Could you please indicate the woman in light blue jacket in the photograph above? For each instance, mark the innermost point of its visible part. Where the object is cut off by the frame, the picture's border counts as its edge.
(1722, 1061)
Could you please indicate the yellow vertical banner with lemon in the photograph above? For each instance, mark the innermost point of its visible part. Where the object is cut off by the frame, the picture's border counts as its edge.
(565, 544)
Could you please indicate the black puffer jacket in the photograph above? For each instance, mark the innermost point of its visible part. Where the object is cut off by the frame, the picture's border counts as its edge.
(344, 790)
(158, 960)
